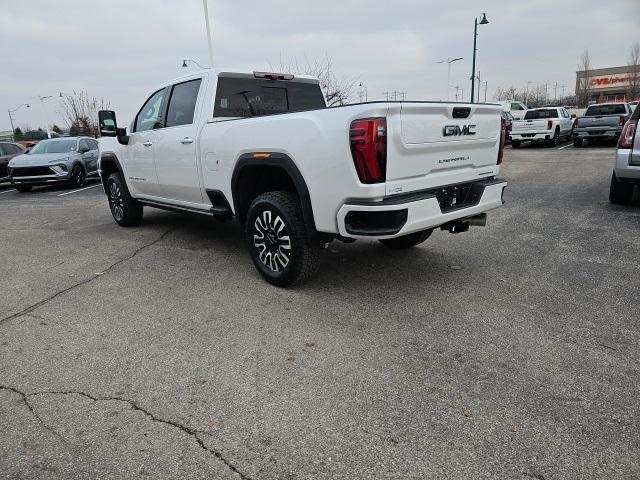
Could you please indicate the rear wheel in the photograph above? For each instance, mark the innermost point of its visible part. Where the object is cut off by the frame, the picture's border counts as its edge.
(23, 188)
(556, 138)
(280, 246)
(407, 241)
(620, 193)
(515, 143)
(577, 142)
(126, 210)
(78, 176)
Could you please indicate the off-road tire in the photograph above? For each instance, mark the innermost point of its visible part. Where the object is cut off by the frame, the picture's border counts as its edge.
(280, 245)
(577, 142)
(515, 143)
(407, 241)
(126, 210)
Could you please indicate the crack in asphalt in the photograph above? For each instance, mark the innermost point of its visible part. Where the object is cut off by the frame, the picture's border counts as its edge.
(44, 301)
(25, 400)
(189, 431)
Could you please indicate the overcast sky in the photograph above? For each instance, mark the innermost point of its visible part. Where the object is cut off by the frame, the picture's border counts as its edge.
(121, 49)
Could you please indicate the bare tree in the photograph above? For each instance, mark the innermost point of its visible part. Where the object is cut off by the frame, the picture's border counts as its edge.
(337, 89)
(81, 113)
(582, 79)
(634, 72)
(503, 94)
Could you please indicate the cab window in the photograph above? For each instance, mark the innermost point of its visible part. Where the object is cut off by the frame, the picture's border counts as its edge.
(182, 103)
(149, 116)
(516, 106)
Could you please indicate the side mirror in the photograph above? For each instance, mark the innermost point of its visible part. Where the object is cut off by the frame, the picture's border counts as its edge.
(83, 150)
(109, 126)
(573, 115)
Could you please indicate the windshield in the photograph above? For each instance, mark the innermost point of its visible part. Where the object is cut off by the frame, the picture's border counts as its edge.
(54, 146)
(544, 113)
(613, 109)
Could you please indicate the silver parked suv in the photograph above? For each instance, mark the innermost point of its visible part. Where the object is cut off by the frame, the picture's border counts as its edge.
(70, 159)
(626, 173)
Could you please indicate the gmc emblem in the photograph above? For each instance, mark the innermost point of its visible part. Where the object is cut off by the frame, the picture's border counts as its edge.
(454, 130)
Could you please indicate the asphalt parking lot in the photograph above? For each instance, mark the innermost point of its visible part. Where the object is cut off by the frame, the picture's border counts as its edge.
(507, 352)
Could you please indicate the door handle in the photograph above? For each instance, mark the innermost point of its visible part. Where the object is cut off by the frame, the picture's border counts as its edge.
(148, 143)
(186, 141)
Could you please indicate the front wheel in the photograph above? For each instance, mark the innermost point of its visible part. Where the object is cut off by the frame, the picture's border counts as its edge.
(126, 210)
(556, 138)
(515, 144)
(280, 246)
(407, 241)
(78, 176)
(577, 142)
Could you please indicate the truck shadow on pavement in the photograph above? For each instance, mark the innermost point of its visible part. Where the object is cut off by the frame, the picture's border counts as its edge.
(363, 262)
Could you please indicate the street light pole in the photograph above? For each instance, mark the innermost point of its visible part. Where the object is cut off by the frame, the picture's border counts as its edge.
(206, 19)
(10, 112)
(483, 21)
(44, 114)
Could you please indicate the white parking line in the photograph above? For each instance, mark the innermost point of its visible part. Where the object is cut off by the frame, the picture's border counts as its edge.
(7, 191)
(570, 145)
(79, 190)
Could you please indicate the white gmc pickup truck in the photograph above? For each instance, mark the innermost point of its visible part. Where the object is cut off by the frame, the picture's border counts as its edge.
(546, 124)
(264, 147)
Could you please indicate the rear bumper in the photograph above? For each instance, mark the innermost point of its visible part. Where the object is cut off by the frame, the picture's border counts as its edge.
(403, 214)
(597, 132)
(531, 136)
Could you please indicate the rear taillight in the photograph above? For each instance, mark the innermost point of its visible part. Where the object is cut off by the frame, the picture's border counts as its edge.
(628, 134)
(549, 124)
(622, 120)
(503, 139)
(368, 138)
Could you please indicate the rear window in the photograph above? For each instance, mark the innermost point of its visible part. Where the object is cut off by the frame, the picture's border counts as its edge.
(248, 97)
(537, 114)
(613, 109)
(636, 114)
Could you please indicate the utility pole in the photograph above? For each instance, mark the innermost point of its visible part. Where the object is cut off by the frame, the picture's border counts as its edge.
(387, 95)
(563, 87)
(449, 61)
(479, 86)
(555, 92)
(485, 91)
(206, 20)
(457, 90)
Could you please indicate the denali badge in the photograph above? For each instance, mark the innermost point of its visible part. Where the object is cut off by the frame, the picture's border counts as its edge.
(452, 130)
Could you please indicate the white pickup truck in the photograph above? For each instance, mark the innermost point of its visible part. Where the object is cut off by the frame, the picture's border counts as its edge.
(264, 147)
(547, 124)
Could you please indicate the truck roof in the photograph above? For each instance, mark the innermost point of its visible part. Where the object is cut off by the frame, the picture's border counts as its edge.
(228, 72)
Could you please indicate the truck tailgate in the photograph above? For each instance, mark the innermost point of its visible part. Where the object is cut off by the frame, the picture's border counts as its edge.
(524, 126)
(441, 143)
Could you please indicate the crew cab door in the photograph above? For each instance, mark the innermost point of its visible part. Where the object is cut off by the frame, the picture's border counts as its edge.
(176, 153)
(140, 164)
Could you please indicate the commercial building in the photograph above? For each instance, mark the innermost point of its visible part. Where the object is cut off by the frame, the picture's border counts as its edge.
(615, 84)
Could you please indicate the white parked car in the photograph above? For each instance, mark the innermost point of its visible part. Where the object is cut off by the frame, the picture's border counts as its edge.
(515, 108)
(547, 124)
(264, 147)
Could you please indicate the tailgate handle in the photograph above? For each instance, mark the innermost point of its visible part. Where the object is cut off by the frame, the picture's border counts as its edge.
(461, 112)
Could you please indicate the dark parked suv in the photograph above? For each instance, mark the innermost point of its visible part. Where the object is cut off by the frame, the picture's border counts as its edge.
(8, 150)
